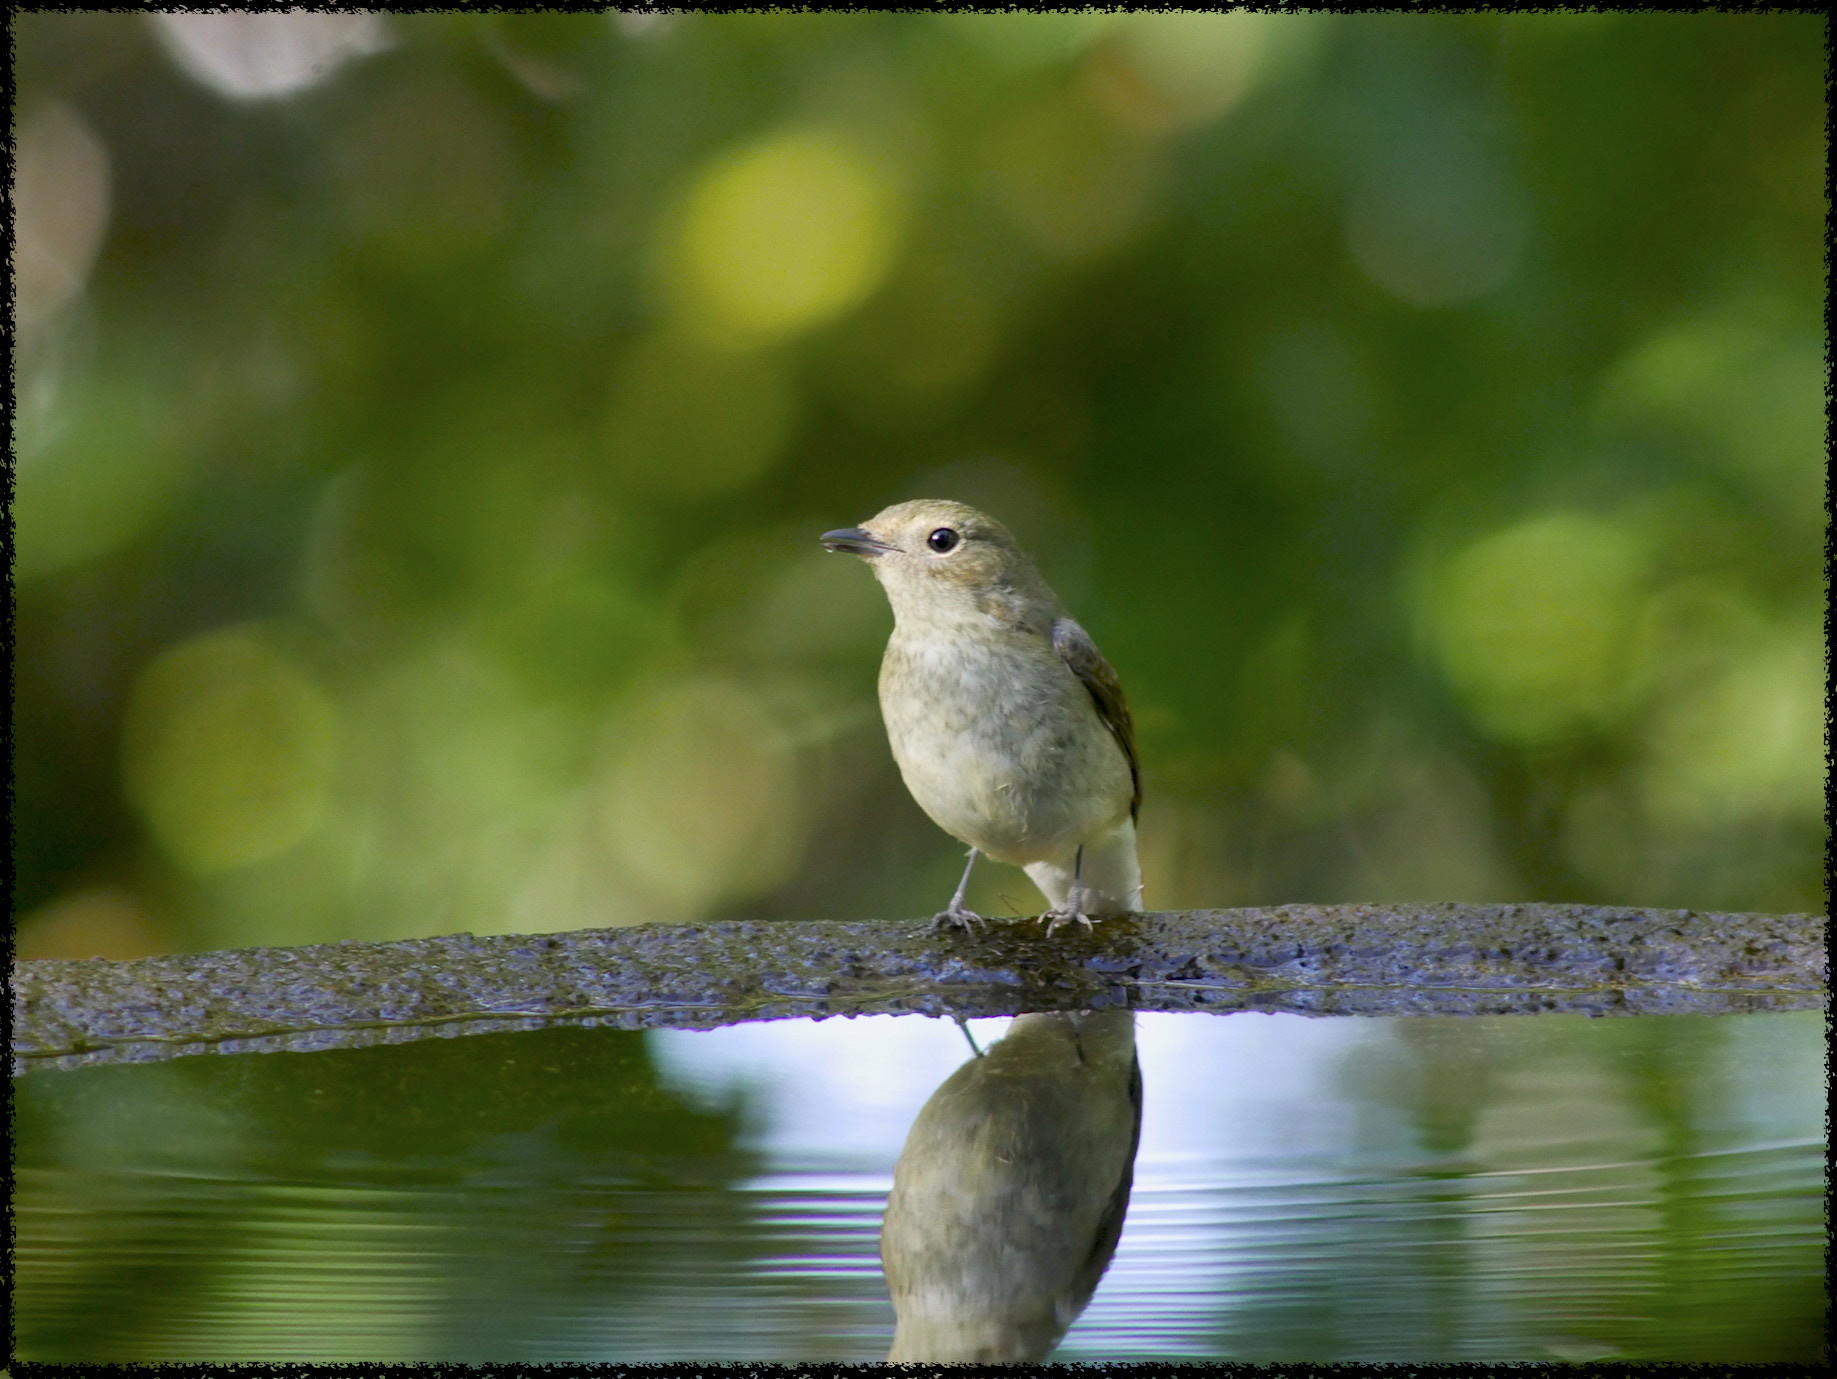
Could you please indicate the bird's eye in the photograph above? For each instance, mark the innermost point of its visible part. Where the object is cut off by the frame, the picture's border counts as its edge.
(942, 540)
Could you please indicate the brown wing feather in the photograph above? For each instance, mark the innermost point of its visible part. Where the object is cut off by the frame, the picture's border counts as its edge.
(1078, 651)
(1110, 1224)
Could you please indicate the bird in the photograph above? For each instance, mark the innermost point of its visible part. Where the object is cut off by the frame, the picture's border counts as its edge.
(1011, 1190)
(1008, 725)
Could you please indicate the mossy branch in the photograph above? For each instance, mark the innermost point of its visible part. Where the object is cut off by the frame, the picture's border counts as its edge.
(1317, 960)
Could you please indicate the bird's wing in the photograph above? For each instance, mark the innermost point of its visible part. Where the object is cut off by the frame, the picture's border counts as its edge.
(1110, 1223)
(1078, 651)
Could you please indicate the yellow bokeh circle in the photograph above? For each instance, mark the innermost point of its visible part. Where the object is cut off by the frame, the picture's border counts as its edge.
(783, 235)
(229, 750)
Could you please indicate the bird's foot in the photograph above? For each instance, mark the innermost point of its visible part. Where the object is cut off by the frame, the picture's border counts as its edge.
(956, 917)
(1054, 920)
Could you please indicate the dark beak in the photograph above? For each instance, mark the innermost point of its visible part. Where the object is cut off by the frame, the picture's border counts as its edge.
(855, 541)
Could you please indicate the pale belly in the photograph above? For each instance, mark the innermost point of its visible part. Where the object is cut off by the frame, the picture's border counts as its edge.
(1008, 755)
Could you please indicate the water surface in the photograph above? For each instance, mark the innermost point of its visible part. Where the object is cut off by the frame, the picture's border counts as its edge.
(1409, 1188)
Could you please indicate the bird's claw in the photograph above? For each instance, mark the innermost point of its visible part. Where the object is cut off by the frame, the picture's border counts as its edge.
(955, 918)
(1054, 920)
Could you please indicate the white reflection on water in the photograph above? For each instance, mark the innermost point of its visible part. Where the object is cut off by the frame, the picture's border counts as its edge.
(833, 1092)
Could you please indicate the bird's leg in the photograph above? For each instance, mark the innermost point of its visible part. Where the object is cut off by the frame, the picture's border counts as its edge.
(1073, 913)
(954, 915)
(964, 1025)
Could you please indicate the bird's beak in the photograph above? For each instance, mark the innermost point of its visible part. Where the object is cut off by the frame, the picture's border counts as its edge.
(856, 541)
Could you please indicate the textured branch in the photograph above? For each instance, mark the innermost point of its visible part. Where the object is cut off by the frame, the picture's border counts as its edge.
(1317, 960)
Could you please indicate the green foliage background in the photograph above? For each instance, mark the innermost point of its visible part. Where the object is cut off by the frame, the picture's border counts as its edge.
(422, 439)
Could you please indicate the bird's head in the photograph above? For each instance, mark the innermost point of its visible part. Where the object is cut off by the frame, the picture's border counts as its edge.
(934, 556)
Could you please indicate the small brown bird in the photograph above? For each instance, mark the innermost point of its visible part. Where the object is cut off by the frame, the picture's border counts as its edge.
(1008, 725)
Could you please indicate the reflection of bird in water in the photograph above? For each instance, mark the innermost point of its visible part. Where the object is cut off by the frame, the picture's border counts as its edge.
(1010, 1192)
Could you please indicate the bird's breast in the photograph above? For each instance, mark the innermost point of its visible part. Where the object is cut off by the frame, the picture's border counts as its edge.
(999, 742)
